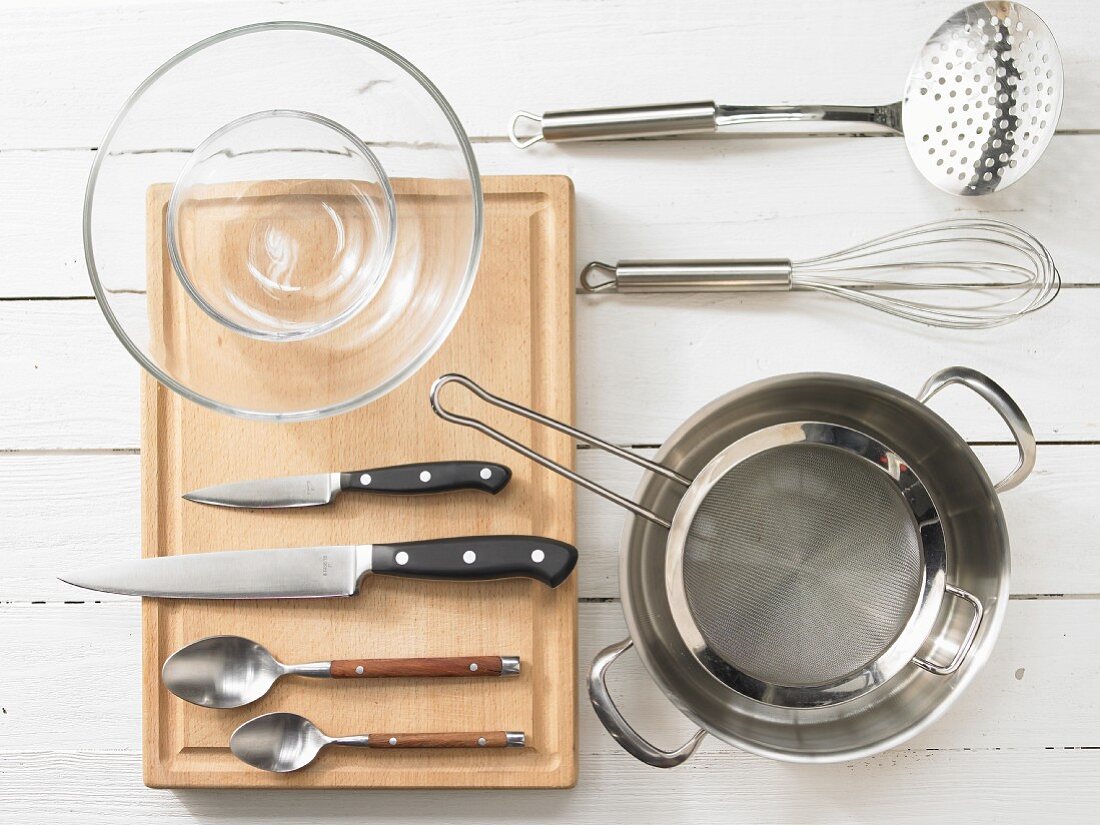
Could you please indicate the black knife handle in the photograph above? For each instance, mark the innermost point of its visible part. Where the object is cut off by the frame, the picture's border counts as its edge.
(429, 477)
(478, 557)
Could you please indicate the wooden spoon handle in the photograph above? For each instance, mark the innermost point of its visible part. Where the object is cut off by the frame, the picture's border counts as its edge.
(440, 666)
(487, 739)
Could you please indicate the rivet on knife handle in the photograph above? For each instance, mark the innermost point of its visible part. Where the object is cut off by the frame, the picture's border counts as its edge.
(478, 557)
(429, 477)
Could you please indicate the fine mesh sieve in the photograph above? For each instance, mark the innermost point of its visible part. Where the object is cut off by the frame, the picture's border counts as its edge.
(805, 564)
(802, 565)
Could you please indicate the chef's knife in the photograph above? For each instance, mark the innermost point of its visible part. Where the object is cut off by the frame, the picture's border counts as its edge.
(312, 572)
(321, 488)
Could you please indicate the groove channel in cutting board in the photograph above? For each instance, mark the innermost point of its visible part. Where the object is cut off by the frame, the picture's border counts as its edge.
(515, 337)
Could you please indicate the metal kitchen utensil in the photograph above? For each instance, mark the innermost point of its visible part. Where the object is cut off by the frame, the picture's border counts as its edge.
(973, 525)
(312, 572)
(806, 563)
(231, 671)
(981, 272)
(322, 488)
(282, 742)
(981, 104)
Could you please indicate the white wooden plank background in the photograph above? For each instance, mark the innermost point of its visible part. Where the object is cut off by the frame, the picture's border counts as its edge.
(1022, 745)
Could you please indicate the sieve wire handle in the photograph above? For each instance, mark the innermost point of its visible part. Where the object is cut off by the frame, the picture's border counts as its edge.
(1002, 403)
(539, 458)
(968, 639)
(621, 731)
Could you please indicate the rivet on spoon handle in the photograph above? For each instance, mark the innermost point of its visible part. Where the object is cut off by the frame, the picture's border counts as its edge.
(426, 667)
(487, 739)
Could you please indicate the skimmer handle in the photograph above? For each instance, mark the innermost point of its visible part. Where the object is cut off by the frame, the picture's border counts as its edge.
(615, 123)
(539, 458)
(1005, 407)
(621, 731)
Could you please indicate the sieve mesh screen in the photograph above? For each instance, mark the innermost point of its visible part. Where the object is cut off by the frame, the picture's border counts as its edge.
(802, 565)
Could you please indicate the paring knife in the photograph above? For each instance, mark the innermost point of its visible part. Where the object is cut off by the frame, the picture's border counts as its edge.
(322, 488)
(313, 572)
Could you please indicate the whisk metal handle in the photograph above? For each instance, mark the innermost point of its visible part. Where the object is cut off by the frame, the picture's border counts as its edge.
(763, 275)
(616, 123)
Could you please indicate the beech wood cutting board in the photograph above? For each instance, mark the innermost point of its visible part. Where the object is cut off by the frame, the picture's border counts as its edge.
(515, 338)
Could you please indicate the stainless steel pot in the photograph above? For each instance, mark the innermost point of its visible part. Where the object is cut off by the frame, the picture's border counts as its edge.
(977, 561)
(868, 711)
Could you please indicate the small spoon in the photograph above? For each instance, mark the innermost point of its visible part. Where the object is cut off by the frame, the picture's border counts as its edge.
(283, 742)
(230, 671)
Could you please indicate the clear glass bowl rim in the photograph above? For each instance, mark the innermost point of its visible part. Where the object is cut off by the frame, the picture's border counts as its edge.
(441, 333)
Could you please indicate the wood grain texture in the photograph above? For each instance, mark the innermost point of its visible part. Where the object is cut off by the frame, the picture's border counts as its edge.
(426, 667)
(62, 512)
(1019, 747)
(1046, 649)
(1006, 787)
(524, 295)
(483, 739)
(648, 363)
(641, 199)
(491, 59)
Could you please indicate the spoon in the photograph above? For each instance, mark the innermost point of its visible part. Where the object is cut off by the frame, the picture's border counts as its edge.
(282, 742)
(230, 671)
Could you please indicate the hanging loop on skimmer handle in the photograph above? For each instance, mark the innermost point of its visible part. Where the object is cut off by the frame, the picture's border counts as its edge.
(621, 730)
(539, 458)
(764, 275)
(616, 123)
(994, 395)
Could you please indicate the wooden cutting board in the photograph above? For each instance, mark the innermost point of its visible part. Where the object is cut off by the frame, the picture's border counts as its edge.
(515, 337)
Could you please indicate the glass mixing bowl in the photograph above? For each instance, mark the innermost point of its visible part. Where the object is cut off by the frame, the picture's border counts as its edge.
(312, 214)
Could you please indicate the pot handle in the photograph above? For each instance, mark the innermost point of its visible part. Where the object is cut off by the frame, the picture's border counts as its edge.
(620, 730)
(1005, 407)
(968, 639)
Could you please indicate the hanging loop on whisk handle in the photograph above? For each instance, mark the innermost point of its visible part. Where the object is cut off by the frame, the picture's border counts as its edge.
(763, 275)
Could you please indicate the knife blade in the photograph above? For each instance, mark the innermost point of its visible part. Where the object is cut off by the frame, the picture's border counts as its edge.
(321, 488)
(334, 570)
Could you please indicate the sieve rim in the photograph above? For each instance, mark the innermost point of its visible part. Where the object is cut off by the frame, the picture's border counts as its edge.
(914, 631)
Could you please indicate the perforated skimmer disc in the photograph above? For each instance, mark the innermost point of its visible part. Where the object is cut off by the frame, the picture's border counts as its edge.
(802, 565)
(983, 98)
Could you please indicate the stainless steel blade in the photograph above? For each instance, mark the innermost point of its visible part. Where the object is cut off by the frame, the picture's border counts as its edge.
(287, 491)
(307, 572)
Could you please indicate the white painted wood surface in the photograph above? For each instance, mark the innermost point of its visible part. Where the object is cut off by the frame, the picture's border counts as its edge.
(1021, 746)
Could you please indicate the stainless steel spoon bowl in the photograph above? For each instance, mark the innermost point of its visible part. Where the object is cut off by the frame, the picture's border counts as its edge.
(226, 671)
(281, 742)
